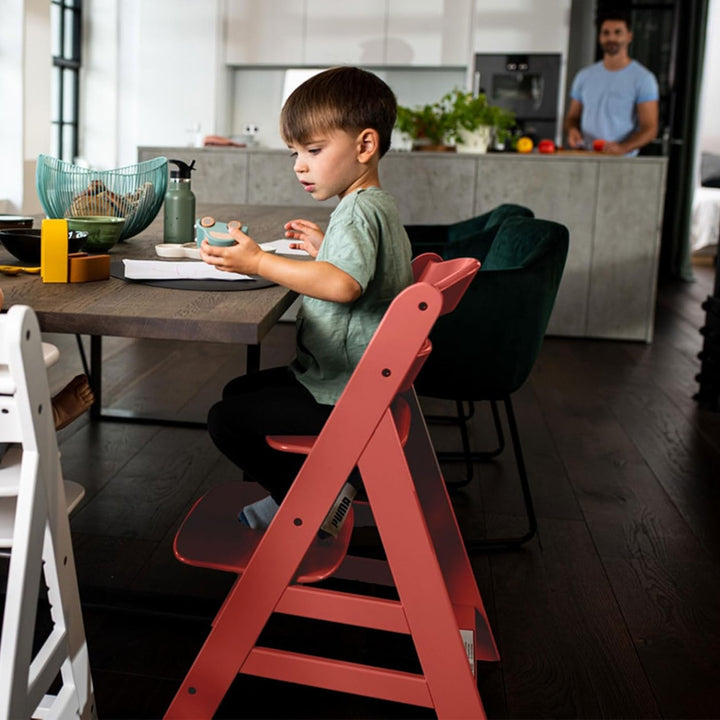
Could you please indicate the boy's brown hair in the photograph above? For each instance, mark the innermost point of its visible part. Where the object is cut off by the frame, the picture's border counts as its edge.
(341, 98)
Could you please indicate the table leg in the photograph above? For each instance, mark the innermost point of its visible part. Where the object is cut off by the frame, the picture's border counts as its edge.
(97, 412)
(252, 359)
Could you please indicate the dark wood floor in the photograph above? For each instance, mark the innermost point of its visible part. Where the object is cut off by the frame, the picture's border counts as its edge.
(613, 611)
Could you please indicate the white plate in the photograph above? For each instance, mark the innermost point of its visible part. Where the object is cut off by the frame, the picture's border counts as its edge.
(188, 250)
(170, 250)
(282, 247)
(192, 250)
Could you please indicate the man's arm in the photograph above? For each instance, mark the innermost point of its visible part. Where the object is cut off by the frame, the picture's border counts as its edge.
(647, 113)
(572, 124)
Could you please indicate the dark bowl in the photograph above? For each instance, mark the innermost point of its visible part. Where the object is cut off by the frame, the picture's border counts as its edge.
(10, 222)
(25, 244)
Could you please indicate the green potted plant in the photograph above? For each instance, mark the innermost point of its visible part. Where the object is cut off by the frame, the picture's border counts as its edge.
(477, 123)
(428, 126)
(459, 120)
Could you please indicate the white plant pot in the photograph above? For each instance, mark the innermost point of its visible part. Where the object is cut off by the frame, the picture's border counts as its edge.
(475, 141)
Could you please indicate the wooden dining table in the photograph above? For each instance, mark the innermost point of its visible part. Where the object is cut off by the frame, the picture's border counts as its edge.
(116, 307)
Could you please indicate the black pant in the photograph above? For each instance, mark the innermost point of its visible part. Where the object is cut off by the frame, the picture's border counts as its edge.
(270, 402)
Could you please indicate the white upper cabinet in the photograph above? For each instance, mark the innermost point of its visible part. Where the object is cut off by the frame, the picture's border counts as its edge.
(338, 32)
(270, 32)
(428, 32)
(334, 32)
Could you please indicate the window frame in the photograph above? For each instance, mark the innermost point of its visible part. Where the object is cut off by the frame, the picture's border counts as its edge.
(68, 36)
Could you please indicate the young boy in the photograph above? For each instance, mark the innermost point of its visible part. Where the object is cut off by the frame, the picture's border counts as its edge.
(337, 125)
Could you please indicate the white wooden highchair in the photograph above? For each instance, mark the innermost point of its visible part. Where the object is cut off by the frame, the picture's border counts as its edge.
(34, 528)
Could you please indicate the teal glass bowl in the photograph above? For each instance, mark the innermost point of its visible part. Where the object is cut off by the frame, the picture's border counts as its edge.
(134, 192)
(103, 232)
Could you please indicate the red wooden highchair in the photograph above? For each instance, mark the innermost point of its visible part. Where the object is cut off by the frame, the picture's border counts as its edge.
(376, 425)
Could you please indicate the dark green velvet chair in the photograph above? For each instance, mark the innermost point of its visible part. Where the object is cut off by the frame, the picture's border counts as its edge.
(454, 238)
(486, 348)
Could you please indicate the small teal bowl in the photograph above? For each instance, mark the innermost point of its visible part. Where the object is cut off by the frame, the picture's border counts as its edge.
(219, 242)
(204, 233)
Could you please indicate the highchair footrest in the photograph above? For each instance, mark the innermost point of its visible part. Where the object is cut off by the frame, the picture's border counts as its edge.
(211, 536)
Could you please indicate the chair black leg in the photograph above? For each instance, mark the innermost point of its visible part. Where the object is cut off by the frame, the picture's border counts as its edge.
(453, 419)
(467, 455)
(512, 542)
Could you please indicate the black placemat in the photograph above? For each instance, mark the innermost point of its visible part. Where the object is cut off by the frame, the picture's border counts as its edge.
(117, 270)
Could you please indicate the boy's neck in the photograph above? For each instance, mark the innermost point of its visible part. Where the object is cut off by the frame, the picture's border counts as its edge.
(368, 179)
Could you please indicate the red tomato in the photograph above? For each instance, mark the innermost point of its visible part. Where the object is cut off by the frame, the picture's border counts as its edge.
(546, 146)
(598, 145)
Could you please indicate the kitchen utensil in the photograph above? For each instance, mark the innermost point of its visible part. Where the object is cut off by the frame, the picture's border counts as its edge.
(17, 269)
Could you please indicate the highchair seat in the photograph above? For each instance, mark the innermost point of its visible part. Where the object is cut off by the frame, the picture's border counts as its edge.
(303, 444)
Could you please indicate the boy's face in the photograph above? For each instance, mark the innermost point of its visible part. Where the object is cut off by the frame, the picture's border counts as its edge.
(329, 164)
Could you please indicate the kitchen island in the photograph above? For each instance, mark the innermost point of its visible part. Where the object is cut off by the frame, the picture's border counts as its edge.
(612, 207)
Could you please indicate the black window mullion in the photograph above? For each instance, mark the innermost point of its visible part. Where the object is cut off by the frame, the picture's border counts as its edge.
(69, 20)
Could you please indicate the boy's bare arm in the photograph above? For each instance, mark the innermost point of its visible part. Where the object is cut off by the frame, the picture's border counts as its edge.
(316, 279)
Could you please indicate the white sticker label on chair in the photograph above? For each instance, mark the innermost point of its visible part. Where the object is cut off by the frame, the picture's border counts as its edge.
(468, 638)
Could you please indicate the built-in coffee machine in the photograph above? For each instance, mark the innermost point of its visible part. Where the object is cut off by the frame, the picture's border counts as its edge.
(524, 83)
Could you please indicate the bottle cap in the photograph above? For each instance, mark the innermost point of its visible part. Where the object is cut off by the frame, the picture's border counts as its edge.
(183, 171)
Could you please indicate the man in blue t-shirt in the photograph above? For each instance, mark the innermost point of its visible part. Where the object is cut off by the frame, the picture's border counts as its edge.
(614, 100)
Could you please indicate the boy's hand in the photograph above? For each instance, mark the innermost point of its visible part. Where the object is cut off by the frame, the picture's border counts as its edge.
(243, 257)
(309, 234)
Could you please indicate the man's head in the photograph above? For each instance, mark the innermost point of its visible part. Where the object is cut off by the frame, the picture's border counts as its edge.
(341, 98)
(614, 33)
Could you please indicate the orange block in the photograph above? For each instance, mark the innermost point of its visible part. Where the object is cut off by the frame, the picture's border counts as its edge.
(86, 268)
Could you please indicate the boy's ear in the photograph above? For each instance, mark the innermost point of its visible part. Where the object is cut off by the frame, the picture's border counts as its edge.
(368, 144)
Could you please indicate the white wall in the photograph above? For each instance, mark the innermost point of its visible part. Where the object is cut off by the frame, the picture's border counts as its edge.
(25, 76)
(709, 125)
(152, 73)
(100, 78)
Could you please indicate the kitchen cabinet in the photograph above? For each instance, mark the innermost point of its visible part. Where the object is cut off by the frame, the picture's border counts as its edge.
(345, 33)
(402, 33)
(270, 32)
(428, 32)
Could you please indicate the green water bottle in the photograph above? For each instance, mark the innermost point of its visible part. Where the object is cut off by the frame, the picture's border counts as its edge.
(179, 212)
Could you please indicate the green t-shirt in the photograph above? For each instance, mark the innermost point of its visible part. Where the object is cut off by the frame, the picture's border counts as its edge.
(366, 239)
